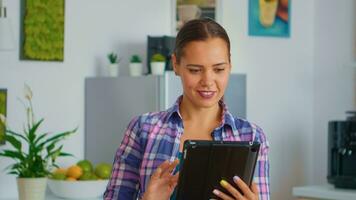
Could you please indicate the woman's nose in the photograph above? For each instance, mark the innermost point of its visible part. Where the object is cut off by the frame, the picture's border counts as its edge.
(207, 78)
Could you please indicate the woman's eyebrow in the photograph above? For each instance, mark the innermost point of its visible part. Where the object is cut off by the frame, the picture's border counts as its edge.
(194, 65)
(218, 64)
(215, 65)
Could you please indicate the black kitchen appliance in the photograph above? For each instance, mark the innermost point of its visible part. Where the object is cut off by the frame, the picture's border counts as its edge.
(342, 152)
(163, 45)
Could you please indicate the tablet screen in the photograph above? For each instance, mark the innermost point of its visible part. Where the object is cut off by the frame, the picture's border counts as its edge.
(205, 163)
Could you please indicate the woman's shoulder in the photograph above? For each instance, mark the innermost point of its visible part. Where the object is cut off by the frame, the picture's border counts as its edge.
(149, 118)
(152, 116)
(248, 128)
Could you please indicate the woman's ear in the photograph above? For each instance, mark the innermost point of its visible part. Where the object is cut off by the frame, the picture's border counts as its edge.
(175, 65)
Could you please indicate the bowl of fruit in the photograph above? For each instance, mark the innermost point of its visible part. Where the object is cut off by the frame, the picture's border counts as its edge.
(80, 181)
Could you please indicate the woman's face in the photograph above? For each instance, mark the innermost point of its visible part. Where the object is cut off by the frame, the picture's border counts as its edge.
(204, 70)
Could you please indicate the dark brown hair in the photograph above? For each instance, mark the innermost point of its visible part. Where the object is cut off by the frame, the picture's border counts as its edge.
(199, 30)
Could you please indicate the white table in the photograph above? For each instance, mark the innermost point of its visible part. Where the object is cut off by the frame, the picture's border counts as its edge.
(323, 192)
(50, 196)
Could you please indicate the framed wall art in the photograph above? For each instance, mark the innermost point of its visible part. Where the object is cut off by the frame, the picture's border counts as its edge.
(42, 30)
(3, 103)
(269, 18)
(185, 10)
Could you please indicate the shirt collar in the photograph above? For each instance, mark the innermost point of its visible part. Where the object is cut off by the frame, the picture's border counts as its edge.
(227, 117)
(174, 110)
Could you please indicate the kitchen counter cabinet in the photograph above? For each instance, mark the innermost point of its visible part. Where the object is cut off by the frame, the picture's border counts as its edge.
(323, 192)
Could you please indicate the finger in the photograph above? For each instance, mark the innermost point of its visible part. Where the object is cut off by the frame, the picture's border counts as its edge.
(168, 171)
(174, 180)
(254, 188)
(175, 177)
(159, 170)
(244, 188)
(222, 195)
(233, 191)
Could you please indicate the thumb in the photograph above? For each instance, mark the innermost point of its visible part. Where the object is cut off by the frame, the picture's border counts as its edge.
(254, 188)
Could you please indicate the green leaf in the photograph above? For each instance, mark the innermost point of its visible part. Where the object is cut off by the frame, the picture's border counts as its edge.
(54, 154)
(58, 137)
(64, 154)
(14, 172)
(40, 137)
(14, 142)
(17, 134)
(32, 131)
(50, 147)
(38, 165)
(57, 152)
(16, 166)
(12, 154)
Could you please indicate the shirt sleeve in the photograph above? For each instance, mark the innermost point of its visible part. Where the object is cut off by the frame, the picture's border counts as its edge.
(262, 166)
(124, 180)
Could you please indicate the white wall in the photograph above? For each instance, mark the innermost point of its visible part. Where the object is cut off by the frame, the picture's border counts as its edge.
(92, 29)
(334, 78)
(279, 94)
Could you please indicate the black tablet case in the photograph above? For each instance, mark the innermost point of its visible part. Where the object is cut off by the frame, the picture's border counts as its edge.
(205, 163)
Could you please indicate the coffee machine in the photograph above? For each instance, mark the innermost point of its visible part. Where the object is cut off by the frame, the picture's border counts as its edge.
(163, 45)
(342, 152)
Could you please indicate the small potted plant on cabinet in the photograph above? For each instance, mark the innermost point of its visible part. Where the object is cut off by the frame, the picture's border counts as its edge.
(114, 64)
(158, 64)
(136, 67)
(34, 165)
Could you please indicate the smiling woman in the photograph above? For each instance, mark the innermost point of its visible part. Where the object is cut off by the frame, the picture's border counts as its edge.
(146, 162)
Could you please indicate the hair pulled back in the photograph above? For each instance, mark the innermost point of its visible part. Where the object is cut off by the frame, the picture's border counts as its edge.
(199, 30)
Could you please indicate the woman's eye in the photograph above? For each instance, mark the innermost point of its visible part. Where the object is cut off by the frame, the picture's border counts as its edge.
(194, 70)
(219, 69)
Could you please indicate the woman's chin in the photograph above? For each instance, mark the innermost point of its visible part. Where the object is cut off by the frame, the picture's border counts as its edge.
(207, 102)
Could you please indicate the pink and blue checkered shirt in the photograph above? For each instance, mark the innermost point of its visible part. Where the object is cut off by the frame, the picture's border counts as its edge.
(153, 138)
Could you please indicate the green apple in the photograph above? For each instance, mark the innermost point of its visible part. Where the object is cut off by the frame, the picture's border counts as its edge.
(85, 165)
(103, 170)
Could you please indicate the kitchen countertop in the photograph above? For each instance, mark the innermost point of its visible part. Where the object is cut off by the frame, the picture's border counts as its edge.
(50, 196)
(325, 192)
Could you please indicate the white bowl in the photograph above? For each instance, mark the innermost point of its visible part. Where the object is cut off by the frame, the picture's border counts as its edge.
(78, 189)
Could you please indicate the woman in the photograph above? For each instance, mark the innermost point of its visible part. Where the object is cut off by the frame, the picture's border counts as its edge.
(148, 153)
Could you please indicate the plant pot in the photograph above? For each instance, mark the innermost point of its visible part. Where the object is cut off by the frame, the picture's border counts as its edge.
(136, 69)
(31, 188)
(113, 69)
(157, 68)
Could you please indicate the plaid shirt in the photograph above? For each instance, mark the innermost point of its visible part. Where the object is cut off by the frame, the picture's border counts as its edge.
(153, 138)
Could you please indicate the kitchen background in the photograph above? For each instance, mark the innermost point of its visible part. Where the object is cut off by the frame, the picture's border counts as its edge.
(294, 85)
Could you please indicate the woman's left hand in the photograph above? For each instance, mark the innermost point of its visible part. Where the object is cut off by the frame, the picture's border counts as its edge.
(248, 193)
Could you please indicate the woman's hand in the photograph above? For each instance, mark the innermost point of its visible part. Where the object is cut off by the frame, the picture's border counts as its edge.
(162, 182)
(248, 193)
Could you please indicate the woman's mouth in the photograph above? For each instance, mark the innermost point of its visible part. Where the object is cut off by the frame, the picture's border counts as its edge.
(206, 94)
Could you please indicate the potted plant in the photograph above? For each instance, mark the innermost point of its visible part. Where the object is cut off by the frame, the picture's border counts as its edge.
(158, 64)
(34, 153)
(113, 64)
(136, 67)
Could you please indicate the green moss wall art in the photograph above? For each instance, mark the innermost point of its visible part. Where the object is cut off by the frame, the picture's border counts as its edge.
(42, 31)
(3, 97)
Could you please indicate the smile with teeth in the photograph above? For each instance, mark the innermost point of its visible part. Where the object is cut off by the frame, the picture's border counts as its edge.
(206, 94)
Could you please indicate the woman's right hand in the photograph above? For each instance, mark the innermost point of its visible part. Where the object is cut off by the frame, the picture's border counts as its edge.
(162, 182)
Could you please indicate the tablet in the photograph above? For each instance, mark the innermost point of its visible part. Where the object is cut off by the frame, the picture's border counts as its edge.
(205, 163)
